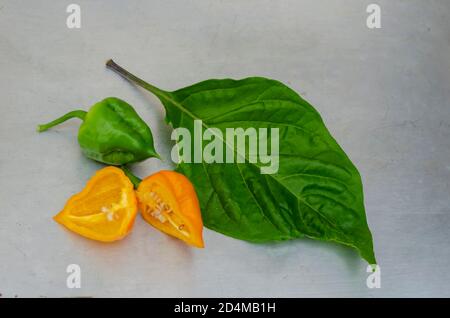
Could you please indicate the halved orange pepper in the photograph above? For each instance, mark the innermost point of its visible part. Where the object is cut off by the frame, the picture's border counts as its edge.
(168, 201)
(106, 208)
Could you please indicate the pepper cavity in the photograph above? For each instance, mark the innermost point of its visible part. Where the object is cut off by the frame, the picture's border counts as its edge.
(155, 206)
(106, 208)
(168, 201)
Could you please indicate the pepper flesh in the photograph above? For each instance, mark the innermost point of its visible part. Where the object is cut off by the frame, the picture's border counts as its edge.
(106, 208)
(112, 133)
(167, 200)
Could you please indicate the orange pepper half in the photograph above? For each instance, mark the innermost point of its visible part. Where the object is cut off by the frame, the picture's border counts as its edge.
(106, 208)
(168, 201)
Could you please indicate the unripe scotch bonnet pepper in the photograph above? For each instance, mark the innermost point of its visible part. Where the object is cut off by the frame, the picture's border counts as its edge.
(112, 132)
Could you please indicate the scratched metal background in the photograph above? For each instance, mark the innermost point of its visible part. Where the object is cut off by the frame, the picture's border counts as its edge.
(384, 94)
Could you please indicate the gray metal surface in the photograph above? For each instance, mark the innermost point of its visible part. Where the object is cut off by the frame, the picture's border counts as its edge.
(384, 94)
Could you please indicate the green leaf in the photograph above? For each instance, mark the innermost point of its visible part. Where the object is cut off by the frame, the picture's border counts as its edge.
(317, 191)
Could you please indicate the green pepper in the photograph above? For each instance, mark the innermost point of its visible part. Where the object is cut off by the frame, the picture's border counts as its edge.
(112, 132)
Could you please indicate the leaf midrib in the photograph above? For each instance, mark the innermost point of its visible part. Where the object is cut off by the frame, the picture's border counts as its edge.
(183, 109)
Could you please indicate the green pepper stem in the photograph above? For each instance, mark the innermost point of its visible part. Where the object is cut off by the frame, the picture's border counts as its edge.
(76, 113)
(136, 80)
(134, 180)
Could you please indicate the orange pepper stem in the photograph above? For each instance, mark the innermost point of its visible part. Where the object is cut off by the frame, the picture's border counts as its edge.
(76, 113)
(134, 180)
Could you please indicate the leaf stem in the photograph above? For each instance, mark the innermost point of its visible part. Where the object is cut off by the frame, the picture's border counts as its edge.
(134, 180)
(81, 114)
(134, 79)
